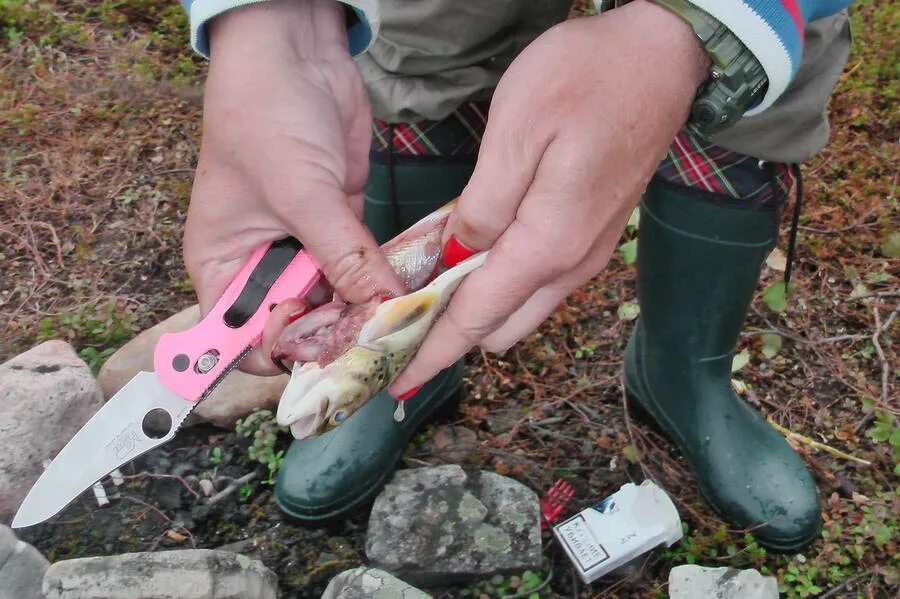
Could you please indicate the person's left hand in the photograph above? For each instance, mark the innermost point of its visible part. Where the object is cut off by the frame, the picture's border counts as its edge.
(577, 126)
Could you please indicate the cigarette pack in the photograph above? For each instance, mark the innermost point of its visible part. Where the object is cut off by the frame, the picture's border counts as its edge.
(628, 523)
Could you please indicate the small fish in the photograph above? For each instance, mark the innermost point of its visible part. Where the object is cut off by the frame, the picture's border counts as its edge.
(345, 354)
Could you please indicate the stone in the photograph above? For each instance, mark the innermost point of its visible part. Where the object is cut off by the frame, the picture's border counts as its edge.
(370, 583)
(22, 567)
(46, 395)
(690, 582)
(445, 525)
(238, 395)
(181, 574)
(453, 444)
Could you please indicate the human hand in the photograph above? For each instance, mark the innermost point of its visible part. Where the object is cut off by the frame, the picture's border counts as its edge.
(576, 128)
(286, 133)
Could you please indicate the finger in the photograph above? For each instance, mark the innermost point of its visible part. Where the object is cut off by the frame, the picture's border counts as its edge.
(260, 359)
(359, 139)
(551, 235)
(507, 160)
(540, 305)
(344, 248)
(220, 233)
(516, 266)
(526, 319)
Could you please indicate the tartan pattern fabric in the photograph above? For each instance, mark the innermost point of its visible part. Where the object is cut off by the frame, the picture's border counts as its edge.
(691, 160)
(459, 134)
(696, 162)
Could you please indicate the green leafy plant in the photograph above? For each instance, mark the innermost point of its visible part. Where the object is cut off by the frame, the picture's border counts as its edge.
(98, 330)
(94, 357)
(801, 579)
(628, 249)
(245, 491)
(530, 584)
(585, 351)
(262, 427)
(215, 456)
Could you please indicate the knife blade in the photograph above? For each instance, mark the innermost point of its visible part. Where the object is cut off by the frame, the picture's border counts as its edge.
(188, 367)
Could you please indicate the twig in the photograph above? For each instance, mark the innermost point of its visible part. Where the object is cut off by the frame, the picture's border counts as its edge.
(833, 592)
(233, 486)
(172, 171)
(791, 435)
(183, 482)
(804, 340)
(876, 294)
(885, 367)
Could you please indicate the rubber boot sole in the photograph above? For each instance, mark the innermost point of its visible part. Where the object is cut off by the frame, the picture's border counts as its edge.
(441, 411)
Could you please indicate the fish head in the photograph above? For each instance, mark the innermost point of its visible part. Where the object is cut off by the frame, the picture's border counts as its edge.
(317, 398)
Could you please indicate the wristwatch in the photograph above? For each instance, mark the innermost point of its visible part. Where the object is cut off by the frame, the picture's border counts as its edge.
(737, 81)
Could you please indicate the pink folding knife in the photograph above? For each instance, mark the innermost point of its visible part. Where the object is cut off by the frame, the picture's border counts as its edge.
(188, 366)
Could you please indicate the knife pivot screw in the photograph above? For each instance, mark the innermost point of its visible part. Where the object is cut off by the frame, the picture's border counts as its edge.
(181, 362)
(207, 361)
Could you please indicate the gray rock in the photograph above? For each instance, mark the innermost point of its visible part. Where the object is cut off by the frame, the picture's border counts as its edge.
(22, 567)
(238, 395)
(694, 582)
(185, 574)
(441, 525)
(46, 395)
(370, 583)
(453, 444)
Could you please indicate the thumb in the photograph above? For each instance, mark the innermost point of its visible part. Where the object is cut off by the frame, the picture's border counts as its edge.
(346, 251)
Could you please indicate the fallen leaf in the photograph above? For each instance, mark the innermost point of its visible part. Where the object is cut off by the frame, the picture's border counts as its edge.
(629, 251)
(774, 296)
(771, 345)
(740, 360)
(890, 247)
(777, 260)
(628, 311)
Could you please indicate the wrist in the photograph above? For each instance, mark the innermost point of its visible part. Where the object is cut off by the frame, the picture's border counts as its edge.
(304, 29)
(673, 37)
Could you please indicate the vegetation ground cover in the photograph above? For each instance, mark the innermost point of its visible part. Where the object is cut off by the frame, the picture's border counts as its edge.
(100, 123)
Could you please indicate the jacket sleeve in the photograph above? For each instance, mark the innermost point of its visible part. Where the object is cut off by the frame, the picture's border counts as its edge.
(773, 31)
(363, 27)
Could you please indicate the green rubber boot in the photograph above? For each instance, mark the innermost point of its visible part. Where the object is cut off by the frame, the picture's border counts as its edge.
(698, 266)
(328, 476)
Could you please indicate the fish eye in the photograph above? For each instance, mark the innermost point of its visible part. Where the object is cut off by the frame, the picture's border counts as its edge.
(339, 416)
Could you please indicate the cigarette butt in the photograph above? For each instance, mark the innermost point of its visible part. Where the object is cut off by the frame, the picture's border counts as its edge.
(206, 486)
(175, 536)
(100, 494)
(116, 476)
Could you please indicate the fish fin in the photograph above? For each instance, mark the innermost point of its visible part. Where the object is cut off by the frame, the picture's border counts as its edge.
(446, 283)
(397, 314)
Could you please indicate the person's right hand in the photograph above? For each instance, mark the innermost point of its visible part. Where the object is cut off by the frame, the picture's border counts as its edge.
(286, 133)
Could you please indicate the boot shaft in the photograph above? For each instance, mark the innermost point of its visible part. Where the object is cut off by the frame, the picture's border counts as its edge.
(698, 266)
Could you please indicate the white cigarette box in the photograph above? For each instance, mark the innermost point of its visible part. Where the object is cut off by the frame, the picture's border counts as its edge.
(628, 523)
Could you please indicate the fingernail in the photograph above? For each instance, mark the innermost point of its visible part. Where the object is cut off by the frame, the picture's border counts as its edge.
(406, 395)
(295, 315)
(455, 252)
(276, 360)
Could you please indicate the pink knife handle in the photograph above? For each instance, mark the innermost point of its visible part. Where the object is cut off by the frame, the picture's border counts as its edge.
(190, 362)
